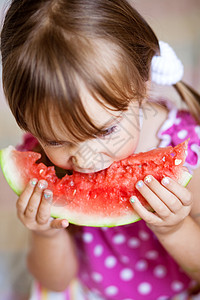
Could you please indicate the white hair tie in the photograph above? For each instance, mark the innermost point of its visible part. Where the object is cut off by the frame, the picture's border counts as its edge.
(166, 68)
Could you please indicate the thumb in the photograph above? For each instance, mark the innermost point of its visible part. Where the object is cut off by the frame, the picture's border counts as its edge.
(59, 223)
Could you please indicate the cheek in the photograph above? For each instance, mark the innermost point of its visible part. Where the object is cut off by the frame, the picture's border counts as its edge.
(129, 147)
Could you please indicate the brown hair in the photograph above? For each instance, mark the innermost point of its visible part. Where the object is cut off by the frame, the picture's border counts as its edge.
(50, 46)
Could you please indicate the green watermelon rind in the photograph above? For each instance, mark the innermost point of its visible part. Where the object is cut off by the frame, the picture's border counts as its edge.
(13, 178)
(10, 171)
(104, 222)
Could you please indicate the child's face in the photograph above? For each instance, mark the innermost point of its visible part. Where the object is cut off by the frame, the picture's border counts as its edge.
(120, 141)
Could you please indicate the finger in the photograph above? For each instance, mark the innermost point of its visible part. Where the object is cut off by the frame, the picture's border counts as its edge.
(59, 223)
(170, 200)
(33, 204)
(183, 194)
(157, 204)
(23, 200)
(145, 214)
(44, 209)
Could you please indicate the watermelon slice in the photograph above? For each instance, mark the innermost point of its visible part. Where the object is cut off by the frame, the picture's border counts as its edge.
(101, 198)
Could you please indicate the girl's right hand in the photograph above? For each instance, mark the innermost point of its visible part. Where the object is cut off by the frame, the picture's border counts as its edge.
(33, 209)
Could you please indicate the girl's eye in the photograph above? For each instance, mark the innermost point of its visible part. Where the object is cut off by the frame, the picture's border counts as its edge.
(109, 131)
(54, 144)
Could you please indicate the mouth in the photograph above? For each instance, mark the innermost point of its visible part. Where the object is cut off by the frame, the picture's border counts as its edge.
(60, 173)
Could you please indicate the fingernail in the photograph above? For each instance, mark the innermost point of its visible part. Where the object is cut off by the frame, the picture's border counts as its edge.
(42, 184)
(139, 184)
(148, 179)
(133, 199)
(165, 181)
(48, 194)
(34, 181)
(65, 223)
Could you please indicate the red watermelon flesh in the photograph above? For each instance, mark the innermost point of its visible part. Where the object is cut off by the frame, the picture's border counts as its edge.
(101, 198)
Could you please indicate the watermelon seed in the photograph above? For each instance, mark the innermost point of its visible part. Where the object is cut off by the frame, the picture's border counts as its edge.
(178, 162)
(74, 193)
(41, 171)
(140, 166)
(163, 159)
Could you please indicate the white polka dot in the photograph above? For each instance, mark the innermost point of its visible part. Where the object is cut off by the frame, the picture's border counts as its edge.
(144, 288)
(176, 286)
(119, 239)
(152, 254)
(144, 236)
(141, 265)
(111, 290)
(87, 237)
(110, 261)
(98, 250)
(197, 130)
(182, 134)
(133, 242)
(160, 271)
(126, 274)
(124, 259)
(97, 277)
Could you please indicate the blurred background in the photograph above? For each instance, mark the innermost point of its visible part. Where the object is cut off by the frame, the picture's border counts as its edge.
(176, 22)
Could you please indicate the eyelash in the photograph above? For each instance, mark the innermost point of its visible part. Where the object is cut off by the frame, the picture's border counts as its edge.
(54, 144)
(111, 129)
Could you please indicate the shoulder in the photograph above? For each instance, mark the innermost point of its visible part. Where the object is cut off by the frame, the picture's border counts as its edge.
(179, 126)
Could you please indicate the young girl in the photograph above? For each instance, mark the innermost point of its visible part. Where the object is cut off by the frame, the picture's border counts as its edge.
(76, 75)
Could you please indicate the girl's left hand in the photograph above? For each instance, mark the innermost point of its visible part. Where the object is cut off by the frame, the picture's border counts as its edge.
(170, 201)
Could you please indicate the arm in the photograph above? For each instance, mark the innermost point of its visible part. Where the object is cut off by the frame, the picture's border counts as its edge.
(184, 246)
(52, 260)
(173, 222)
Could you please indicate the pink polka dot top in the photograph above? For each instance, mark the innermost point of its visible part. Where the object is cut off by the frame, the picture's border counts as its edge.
(128, 262)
